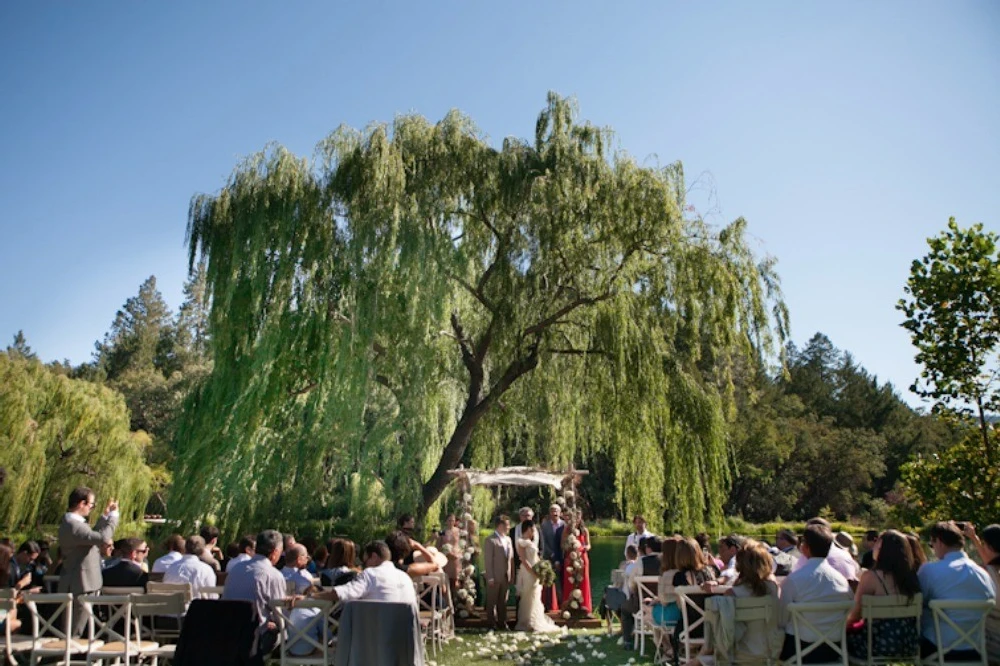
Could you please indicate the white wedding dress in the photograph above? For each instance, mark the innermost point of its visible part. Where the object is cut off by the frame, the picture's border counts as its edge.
(530, 612)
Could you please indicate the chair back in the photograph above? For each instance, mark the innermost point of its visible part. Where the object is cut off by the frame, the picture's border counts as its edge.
(363, 619)
(50, 583)
(154, 604)
(52, 630)
(890, 607)
(116, 591)
(184, 589)
(212, 592)
(12, 644)
(298, 628)
(156, 576)
(113, 625)
(834, 636)
(972, 613)
(691, 602)
(756, 609)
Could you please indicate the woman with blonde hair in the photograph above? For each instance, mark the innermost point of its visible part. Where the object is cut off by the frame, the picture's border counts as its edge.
(665, 611)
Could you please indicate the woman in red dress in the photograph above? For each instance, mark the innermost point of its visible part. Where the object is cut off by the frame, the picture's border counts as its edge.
(576, 565)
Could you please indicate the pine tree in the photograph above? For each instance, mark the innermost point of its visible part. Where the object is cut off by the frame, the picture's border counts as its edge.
(20, 347)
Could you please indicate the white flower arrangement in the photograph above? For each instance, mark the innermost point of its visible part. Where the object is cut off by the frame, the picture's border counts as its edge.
(569, 494)
(576, 533)
(467, 497)
(469, 570)
(466, 516)
(462, 594)
(561, 501)
(565, 615)
(569, 569)
(446, 548)
(574, 605)
(577, 594)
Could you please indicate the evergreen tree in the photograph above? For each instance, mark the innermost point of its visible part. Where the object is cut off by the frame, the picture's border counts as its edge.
(140, 336)
(20, 347)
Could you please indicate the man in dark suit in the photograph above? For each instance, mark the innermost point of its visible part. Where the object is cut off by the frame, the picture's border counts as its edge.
(651, 559)
(81, 572)
(128, 572)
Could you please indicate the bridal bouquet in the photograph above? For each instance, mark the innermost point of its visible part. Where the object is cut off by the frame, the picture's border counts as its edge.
(546, 574)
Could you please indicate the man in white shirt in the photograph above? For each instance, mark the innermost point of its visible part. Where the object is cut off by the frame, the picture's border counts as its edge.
(296, 560)
(954, 577)
(380, 581)
(816, 581)
(639, 523)
(175, 551)
(247, 551)
(838, 558)
(728, 547)
(191, 568)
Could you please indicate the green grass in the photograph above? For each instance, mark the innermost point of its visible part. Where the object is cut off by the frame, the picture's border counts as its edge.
(586, 647)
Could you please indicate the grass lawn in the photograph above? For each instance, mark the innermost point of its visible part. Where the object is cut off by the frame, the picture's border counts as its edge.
(569, 649)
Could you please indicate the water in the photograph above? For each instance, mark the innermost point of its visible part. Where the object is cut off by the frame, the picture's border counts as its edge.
(606, 553)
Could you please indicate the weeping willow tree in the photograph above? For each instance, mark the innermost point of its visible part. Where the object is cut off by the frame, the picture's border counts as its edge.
(58, 433)
(414, 298)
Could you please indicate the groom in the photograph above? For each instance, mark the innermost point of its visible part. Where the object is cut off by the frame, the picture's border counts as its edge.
(499, 555)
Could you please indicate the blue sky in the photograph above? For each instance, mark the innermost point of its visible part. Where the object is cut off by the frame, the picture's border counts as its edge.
(846, 132)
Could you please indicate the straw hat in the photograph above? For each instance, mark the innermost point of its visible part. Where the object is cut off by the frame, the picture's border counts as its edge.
(846, 541)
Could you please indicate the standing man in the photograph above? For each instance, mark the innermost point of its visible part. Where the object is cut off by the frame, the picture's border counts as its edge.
(552, 529)
(81, 572)
(499, 554)
(639, 524)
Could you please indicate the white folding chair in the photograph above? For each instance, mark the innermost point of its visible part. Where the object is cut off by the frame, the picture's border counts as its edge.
(304, 629)
(146, 608)
(122, 591)
(211, 592)
(52, 632)
(974, 612)
(13, 644)
(153, 587)
(834, 636)
(165, 610)
(890, 607)
(110, 634)
(692, 621)
(762, 611)
(428, 590)
(646, 588)
(50, 583)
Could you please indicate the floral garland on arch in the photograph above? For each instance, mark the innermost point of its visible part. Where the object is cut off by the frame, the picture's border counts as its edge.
(468, 545)
(572, 608)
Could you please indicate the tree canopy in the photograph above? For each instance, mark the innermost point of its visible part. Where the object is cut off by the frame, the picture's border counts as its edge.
(417, 298)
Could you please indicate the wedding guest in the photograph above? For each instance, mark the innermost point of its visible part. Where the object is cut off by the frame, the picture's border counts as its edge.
(639, 531)
(259, 581)
(650, 548)
(690, 564)
(288, 540)
(192, 568)
(175, 551)
(952, 576)
(551, 534)
(814, 581)
(705, 543)
(917, 548)
(449, 537)
(523, 514)
(401, 548)
(867, 560)
(407, 524)
(499, 559)
(246, 552)
(7, 581)
(728, 547)
(128, 572)
(760, 640)
(211, 554)
(81, 573)
(381, 580)
(788, 553)
(840, 559)
(296, 560)
(665, 611)
(341, 565)
(892, 573)
(988, 548)
(23, 563)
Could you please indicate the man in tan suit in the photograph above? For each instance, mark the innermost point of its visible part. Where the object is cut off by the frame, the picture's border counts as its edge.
(498, 552)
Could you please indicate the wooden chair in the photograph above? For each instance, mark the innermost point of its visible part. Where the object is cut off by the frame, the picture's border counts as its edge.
(52, 632)
(111, 634)
(746, 610)
(691, 634)
(976, 636)
(184, 589)
(646, 588)
(888, 608)
(122, 591)
(312, 631)
(428, 590)
(13, 644)
(146, 608)
(834, 636)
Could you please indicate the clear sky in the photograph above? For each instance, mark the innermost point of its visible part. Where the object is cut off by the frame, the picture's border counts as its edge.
(845, 132)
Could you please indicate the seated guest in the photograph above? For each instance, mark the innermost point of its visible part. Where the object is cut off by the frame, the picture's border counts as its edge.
(989, 552)
(867, 560)
(318, 561)
(381, 580)
(192, 568)
(728, 547)
(246, 551)
(287, 542)
(23, 563)
(211, 554)
(647, 565)
(691, 566)
(128, 572)
(840, 559)
(296, 560)
(175, 551)
(788, 552)
(639, 525)
(341, 565)
(258, 580)
(705, 543)
(650, 559)
(759, 639)
(816, 581)
(892, 573)
(666, 612)
(952, 576)
(401, 550)
(631, 555)
(110, 553)
(917, 548)
(6, 559)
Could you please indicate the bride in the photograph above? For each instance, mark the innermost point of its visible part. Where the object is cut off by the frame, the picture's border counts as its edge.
(530, 611)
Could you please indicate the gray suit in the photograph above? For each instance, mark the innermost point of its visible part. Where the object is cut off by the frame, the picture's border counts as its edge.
(81, 569)
(499, 557)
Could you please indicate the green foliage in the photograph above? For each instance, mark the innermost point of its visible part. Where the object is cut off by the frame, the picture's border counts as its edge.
(57, 433)
(954, 484)
(952, 310)
(20, 347)
(420, 299)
